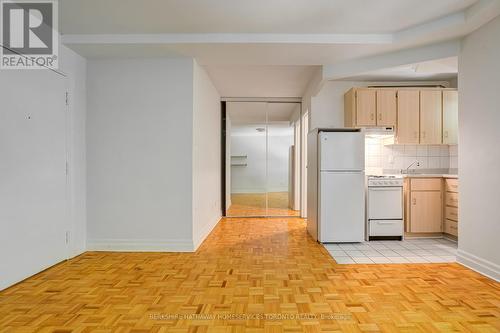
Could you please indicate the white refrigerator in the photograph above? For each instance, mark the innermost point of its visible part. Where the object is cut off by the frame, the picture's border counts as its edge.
(341, 186)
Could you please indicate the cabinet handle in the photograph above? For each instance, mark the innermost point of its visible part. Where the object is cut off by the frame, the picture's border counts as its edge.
(445, 134)
(371, 116)
(414, 200)
(380, 116)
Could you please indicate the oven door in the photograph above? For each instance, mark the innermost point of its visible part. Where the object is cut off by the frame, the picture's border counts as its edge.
(385, 203)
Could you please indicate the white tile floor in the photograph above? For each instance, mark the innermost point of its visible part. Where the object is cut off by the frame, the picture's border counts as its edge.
(384, 252)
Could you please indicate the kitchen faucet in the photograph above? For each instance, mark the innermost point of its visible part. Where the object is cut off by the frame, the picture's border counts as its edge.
(407, 171)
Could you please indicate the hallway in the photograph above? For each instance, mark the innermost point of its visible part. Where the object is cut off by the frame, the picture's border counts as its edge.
(246, 272)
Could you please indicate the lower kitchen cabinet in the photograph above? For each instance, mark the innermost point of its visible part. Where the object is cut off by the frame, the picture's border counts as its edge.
(451, 207)
(431, 206)
(451, 227)
(451, 213)
(424, 205)
(425, 211)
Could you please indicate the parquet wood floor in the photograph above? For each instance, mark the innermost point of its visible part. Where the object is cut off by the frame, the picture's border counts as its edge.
(246, 274)
(254, 204)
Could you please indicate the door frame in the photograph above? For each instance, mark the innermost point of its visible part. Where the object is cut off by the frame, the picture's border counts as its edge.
(223, 117)
(223, 156)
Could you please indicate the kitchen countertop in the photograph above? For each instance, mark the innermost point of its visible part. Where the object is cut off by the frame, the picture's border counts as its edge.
(424, 175)
(429, 175)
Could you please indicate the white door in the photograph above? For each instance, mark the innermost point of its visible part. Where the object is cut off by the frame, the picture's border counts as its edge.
(32, 173)
(342, 207)
(342, 150)
(385, 203)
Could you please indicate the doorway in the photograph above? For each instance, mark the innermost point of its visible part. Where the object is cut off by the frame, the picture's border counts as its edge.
(262, 159)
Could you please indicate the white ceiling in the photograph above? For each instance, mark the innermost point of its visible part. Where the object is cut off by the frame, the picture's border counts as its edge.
(261, 81)
(263, 48)
(237, 54)
(263, 32)
(255, 16)
(440, 69)
(241, 113)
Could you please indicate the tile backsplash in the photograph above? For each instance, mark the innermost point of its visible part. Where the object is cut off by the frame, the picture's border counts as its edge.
(393, 158)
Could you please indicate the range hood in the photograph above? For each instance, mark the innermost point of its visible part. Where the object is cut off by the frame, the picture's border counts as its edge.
(379, 132)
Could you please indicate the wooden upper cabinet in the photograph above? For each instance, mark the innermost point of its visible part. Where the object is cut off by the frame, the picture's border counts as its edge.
(386, 107)
(450, 117)
(366, 107)
(430, 116)
(420, 115)
(408, 105)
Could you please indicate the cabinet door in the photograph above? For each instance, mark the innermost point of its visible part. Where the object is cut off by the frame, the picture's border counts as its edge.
(430, 116)
(408, 116)
(365, 107)
(450, 117)
(386, 107)
(425, 211)
(451, 227)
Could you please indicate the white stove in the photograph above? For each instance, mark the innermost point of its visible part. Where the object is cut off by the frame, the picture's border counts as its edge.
(385, 207)
(381, 181)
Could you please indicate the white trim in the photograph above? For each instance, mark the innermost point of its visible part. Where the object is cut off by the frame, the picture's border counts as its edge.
(205, 231)
(429, 83)
(479, 265)
(227, 38)
(141, 245)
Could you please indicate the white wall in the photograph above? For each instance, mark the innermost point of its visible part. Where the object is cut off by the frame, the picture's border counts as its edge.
(206, 155)
(479, 117)
(279, 160)
(327, 107)
(393, 158)
(266, 169)
(139, 154)
(39, 204)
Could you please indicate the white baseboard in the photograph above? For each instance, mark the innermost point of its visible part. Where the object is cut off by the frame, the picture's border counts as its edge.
(207, 228)
(141, 245)
(479, 265)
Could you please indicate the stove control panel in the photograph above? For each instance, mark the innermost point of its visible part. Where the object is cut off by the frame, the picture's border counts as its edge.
(385, 182)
